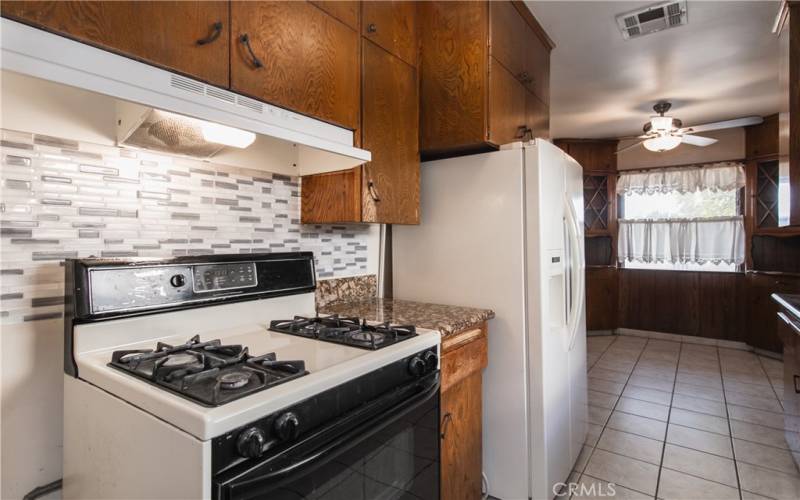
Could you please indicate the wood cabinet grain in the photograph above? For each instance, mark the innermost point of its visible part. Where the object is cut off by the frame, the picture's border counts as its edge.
(461, 416)
(453, 74)
(309, 59)
(161, 33)
(602, 291)
(509, 36)
(537, 116)
(331, 197)
(391, 121)
(393, 26)
(507, 106)
(537, 66)
(343, 10)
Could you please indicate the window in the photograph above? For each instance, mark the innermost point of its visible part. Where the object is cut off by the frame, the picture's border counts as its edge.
(682, 219)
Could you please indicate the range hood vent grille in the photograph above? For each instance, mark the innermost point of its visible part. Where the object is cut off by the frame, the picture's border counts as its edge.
(652, 19)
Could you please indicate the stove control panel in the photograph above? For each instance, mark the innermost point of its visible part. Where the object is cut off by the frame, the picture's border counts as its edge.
(208, 278)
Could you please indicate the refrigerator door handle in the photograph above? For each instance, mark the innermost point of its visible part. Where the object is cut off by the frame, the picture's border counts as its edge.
(577, 272)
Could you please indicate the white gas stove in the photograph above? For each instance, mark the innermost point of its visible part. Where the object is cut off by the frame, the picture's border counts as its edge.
(196, 370)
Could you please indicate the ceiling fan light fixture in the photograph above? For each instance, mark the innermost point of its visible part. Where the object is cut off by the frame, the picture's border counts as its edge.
(662, 143)
(661, 123)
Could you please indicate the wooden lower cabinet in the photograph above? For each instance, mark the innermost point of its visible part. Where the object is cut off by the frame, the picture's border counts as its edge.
(460, 412)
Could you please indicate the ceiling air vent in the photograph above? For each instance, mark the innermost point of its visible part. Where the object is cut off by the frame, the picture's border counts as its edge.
(651, 19)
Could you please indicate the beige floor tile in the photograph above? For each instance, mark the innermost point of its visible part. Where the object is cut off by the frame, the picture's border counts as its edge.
(678, 486)
(647, 427)
(592, 434)
(699, 391)
(598, 415)
(747, 495)
(704, 465)
(746, 378)
(768, 482)
(699, 421)
(699, 405)
(625, 471)
(583, 458)
(665, 374)
(758, 391)
(699, 440)
(631, 445)
(645, 394)
(760, 417)
(602, 399)
(643, 408)
(600, 385)
(759, 403)
(590, 487)
(715, 382)
(611, 375)
(764, 456)
(651, 382)
(759, 434)
(615, 364)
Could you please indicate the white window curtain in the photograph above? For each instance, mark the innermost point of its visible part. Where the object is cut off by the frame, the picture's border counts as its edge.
(685, 240)
(715, 177)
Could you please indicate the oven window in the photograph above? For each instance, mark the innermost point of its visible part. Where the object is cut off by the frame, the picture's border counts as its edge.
(399, 461)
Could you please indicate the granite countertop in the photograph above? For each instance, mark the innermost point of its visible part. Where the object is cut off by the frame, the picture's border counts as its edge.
(789, 302)
(447, 319)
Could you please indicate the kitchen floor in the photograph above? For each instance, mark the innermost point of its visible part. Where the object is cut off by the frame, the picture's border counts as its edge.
(674, 420)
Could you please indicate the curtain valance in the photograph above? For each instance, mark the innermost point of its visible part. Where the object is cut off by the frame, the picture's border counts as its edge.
(718, 239)
(723, 176)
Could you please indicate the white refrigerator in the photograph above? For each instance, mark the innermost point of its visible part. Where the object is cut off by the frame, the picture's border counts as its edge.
(504, 230)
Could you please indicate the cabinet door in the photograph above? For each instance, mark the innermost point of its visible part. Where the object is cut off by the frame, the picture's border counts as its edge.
(537, 116)
(345, 11)
(508, 37)
(307, 60)
(390, 132)
(331, 197)
(460, 429)
(507, 120)
(393, 26)
(537, 66)
(453, 74)
(161, 33)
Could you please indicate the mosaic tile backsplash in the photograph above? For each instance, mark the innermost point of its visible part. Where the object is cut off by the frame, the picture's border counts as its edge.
(66, 199)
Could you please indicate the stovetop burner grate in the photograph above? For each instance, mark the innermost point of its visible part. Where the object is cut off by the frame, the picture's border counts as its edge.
(208, 373)
(344, 330)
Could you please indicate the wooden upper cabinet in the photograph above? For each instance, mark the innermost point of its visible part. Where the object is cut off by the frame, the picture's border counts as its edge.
(345, 11)
(390, 132)
(508, 37)
(479, 60)
(392, 25)
(453, 74)
(594, 155)
(507, 118)
(295, 55)
(161, 33)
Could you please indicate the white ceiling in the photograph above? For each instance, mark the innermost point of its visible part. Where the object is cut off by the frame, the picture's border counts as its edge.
(723, 64)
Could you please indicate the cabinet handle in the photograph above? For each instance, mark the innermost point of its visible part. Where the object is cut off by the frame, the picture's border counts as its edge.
(796, 389)
(216, 30)
(524, 131)
(445, 421)
(373, 192)
(245, 39)
(372, 28)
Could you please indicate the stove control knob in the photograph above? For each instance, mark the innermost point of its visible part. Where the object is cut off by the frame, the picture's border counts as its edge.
(177, 280)
(250, 443)
(416, 366)
(431, 360)
(287, 426)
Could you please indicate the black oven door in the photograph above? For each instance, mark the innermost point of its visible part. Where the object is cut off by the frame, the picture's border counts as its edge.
(388, 448)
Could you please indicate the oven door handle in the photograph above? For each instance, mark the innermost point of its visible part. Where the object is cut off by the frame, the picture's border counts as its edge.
(244, 487)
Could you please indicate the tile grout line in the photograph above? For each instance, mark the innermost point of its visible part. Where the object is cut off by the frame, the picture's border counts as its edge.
(669, 416)
(772, 386)
(730, 428)
(619, 396)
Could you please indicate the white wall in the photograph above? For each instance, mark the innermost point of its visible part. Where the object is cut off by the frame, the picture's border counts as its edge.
(31, 353)
(730, 146)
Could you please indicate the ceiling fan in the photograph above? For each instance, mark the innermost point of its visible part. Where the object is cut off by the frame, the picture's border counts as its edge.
(663, 133)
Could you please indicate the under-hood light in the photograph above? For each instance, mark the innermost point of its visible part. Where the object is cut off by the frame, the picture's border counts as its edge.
(228, 136)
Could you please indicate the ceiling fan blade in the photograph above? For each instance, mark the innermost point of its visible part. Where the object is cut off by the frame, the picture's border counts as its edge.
(697, 140)
(628, 147)
(738, 122)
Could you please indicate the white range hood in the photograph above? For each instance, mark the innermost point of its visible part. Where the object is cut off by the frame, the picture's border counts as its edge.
(313, 146)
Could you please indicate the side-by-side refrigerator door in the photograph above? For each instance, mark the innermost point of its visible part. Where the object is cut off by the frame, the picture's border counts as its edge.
(575, 278)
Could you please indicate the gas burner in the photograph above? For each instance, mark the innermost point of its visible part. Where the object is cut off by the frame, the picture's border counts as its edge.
(234, 380)
(348, 331)
(208, 373)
